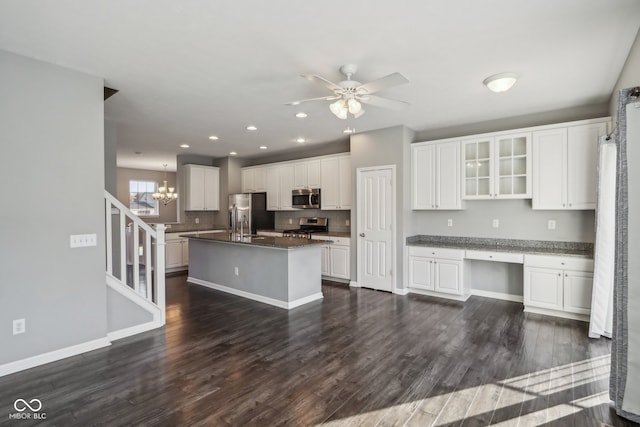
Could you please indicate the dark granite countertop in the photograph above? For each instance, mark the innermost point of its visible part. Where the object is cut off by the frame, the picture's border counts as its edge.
(328, 233)
(537, 247)
(187, 228)
(272, 242)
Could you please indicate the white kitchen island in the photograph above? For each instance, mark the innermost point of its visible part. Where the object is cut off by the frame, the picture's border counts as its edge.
(281, 271)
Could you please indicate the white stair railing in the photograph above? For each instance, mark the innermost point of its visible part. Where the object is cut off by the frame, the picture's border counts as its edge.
(131, 244)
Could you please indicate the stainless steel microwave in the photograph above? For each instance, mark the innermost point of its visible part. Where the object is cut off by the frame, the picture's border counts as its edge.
(308, 198)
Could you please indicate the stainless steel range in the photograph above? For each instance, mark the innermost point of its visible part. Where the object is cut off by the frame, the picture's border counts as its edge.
(308, 226)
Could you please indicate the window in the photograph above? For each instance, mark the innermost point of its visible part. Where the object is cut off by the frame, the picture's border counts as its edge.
(141, 201)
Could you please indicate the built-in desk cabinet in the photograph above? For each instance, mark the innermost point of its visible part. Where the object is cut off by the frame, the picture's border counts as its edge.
(558, 285)
(565, 167)
(202, 188)
(435, 176)
(436, 270)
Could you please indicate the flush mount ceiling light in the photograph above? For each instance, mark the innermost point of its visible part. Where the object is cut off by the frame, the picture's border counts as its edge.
(213, 138)
(301, 115)
(184, 145)
(500, 82)
(252, 127)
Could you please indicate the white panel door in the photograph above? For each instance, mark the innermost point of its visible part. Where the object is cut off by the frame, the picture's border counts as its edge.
(578, 286)
(549, 169)
(375, 236)
(447, 164)
(582, 161)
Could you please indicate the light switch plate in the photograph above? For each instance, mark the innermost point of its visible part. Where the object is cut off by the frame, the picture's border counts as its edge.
(551, 225)
(83, 240)
(496, 223)
(19, 326)
(450, 222)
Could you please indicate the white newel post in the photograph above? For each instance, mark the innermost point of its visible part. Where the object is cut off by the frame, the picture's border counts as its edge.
(159, 270)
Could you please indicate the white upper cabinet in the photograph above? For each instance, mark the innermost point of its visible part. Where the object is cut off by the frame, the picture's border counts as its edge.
(565, 167)
(435, 173)
(497, 167)
(336, 183)
(202, 188)
(279, 184)
(254, 180)
(307, 174)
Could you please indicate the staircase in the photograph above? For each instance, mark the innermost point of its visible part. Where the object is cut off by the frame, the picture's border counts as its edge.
(135, 265)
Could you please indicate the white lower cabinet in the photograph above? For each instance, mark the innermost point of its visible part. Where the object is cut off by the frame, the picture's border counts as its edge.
(176, 251)
(336, 257)
(558, 286)
(437, 270)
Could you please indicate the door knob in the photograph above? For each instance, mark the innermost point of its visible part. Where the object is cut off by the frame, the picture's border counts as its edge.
(361, 234)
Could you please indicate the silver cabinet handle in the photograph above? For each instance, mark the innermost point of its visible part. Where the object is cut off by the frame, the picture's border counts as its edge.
(361, 234)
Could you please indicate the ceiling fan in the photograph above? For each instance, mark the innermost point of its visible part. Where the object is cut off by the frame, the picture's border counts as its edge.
(350, 94)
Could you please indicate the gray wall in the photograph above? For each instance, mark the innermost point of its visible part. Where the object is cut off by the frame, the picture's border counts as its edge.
(123, 313)
(167, 213)
(629, 77)
(52, 133)
(382, 147)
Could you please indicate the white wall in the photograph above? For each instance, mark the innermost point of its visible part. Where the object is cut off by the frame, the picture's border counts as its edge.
(52, 151)
(629, 77)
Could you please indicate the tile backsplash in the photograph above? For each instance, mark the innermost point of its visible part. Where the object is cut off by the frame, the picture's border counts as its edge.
(337, 219)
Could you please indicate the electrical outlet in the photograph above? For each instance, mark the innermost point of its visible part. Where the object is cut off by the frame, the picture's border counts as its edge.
(347, 222)
(290, 220)
(83, 240)
(551, 225)
(496, 223)
(19, 326)
(236, 271)
(450, 222)
(197, 220)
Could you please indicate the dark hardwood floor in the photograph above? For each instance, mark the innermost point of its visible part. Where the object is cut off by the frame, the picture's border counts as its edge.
(358, 357)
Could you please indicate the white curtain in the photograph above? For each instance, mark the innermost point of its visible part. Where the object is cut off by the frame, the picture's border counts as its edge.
(601, 323)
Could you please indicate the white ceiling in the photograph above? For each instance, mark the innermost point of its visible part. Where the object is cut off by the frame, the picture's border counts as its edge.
(189, 69)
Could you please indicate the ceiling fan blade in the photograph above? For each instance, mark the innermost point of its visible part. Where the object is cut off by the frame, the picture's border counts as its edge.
(379, 101)
(321, 80)
(391, 80)
(322, 98)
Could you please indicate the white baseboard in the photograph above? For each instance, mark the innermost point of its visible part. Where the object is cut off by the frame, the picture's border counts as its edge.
(255, 297)
(354, 284)
(438, 294)
(52, 356)
(401, 291)
(555, 313)
(497, 295)
(133, 330)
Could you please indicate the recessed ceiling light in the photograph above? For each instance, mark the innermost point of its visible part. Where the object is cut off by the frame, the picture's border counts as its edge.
(263, 147)
(349, 130)
(233, 153)
(301, 115)
(300, 140)
(213, 138)
(184, 145)
(500, 82)
(252, 127)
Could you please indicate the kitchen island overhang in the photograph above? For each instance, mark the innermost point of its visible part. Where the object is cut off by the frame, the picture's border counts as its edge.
(280, 271)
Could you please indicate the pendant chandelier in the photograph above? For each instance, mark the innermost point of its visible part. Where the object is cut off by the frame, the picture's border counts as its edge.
(165, 193)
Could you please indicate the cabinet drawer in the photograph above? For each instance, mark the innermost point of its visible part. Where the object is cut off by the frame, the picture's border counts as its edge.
(495, 256)
(442, 253)
(562, 263)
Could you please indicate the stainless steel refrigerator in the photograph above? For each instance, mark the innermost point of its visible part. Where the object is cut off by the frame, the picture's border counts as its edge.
(251, 208)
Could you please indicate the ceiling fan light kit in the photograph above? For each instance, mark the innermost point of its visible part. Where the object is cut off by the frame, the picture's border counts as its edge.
(349, 95)
(500, 82)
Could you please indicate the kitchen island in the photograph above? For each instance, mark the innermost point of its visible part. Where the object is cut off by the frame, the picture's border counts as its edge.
(281, 271)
